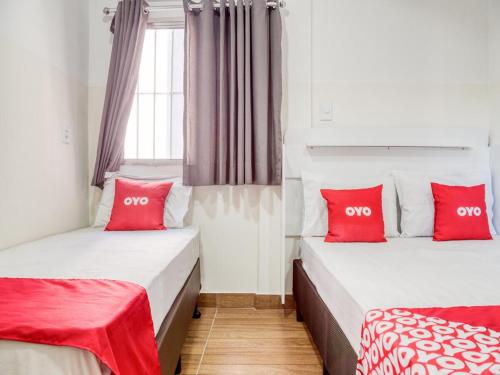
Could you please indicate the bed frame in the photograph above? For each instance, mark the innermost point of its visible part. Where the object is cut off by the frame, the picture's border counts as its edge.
(173, 330)
(337, 353)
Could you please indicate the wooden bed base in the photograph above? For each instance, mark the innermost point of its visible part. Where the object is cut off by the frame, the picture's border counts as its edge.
(173, 330)
(337, 353)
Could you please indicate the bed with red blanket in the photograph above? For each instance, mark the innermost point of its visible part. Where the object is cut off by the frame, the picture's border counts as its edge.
(108, 318)
(95, 302)
(408, 306)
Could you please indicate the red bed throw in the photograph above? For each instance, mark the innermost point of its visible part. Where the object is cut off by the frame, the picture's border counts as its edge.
(111, 319)
(418, 341)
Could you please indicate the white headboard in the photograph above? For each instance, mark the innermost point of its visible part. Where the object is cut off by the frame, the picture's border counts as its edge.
(376, 151)
(373, 151)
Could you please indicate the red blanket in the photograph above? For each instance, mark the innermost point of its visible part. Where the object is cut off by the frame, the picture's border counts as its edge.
(418, 341)
(111, 319)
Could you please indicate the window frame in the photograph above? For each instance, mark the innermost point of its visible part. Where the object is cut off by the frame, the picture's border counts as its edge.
(153, 162)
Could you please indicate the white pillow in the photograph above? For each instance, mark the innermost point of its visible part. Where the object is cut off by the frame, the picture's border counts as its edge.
(176, 207)
(417, 203)
(316, 212)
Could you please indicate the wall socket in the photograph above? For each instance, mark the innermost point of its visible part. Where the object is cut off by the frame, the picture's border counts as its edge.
(66, 136)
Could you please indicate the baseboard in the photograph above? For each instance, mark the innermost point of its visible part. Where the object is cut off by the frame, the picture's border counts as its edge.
(245, 300)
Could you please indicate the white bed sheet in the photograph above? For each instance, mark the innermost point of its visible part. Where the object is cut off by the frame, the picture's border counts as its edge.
(353, 278)
(160, 261)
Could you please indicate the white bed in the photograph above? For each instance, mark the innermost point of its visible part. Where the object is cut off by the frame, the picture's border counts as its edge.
(160, 261)
(353, 278)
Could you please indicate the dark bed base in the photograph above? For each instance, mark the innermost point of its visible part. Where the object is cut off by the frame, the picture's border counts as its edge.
(337, 353)
(173, 330)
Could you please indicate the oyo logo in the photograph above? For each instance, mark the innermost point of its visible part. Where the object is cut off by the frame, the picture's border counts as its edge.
(358, 211)
(468, 211)
(136, 201)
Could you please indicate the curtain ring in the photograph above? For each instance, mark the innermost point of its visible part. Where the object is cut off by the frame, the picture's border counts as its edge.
(195, 2)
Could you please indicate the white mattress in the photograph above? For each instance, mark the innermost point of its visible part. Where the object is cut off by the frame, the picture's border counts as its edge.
(353, 278)
(160, 261)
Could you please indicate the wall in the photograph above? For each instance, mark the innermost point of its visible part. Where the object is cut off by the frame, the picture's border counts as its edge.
(240, 226)
(494, 69)
(402, 63)
(43, 75)
(389, 62)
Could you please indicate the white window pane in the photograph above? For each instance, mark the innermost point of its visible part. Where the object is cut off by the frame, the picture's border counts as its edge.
(177, 126)
(155, 127)
(178, 50)
(146, 126)
(130, 147)
(162, 127)
(146, 70)
(163, 60)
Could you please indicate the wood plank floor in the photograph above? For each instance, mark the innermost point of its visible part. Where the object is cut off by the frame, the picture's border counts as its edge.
(249, 341)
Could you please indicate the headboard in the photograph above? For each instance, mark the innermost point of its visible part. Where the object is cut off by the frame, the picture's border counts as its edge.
(373, 151)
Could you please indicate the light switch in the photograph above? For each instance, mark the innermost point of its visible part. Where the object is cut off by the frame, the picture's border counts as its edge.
(326, 112)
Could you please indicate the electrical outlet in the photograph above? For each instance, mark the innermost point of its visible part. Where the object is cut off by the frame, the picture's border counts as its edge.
(66, 137)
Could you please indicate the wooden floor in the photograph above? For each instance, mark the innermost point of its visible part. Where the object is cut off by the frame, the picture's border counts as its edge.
(249, 341)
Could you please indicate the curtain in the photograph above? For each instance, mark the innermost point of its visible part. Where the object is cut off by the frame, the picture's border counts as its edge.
(232, 111)
(129, 27)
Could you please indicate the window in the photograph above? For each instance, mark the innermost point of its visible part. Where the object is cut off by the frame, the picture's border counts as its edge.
(154, 130)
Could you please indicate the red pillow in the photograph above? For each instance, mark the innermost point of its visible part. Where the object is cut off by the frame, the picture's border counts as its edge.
(460, 213)
(355, 215)
(138, 205)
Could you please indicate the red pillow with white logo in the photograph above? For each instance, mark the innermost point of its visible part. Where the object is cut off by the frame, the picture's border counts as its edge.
(355, 215)
(460, 213)
(138, 205)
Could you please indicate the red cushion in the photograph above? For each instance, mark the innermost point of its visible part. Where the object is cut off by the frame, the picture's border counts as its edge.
(354, 215)
(460, 213)
(138, 205)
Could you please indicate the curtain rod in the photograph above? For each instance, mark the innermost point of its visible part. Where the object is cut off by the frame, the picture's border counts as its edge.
(151, 8)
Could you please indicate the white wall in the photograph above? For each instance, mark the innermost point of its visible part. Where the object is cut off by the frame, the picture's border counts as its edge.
(43, 89)
(494, 69)
(401, 62)
(389, 62)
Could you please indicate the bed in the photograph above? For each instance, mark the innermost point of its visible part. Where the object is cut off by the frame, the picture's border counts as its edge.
(165, 263)
(335, 285)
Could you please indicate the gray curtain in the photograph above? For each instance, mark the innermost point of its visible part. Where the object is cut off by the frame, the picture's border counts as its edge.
(129, 27)
(232, 129)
